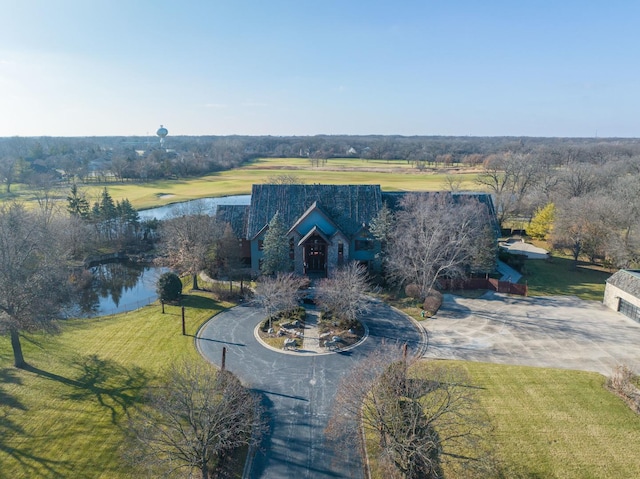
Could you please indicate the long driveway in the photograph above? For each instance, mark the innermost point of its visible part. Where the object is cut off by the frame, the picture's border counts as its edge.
(298, 390)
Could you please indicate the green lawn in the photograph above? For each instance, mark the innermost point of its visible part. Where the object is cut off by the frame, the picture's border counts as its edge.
(65, 416)
(552, 423)
(559, 277)
(391, 175)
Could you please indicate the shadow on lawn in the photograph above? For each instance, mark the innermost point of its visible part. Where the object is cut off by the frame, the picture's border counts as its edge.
(113, 386)
(10, 429)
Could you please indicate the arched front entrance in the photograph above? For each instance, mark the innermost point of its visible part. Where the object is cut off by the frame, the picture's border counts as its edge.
(315, 256)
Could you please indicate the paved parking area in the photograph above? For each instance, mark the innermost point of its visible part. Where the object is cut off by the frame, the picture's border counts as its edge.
(556, 331)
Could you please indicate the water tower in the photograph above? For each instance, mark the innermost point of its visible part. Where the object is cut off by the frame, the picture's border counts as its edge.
(162, 133)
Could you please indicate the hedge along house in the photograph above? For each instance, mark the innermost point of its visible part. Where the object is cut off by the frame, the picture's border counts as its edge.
(328, 225)
(622, 293)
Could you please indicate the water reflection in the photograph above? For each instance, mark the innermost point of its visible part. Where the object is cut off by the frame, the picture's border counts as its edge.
(118, 287)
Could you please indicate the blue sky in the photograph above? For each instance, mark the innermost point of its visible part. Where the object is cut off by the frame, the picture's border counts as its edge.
(277, 67)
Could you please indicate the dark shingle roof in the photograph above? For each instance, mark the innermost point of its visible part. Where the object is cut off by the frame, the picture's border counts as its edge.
(235, 215)
(627, 280)
(348, 205)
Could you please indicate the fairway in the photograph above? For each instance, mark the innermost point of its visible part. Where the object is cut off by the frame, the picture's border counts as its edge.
(391, 175)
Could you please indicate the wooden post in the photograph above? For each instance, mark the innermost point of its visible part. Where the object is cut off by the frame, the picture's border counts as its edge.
(224, 357)
(184, 332)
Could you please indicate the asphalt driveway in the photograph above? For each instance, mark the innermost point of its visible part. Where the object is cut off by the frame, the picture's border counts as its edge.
(298, 390)
(555, 331)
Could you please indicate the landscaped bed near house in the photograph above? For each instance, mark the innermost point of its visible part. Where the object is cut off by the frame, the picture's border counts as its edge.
(281, 326)
(348, 332)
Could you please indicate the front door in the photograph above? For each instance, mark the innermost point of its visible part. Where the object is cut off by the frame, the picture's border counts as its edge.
(315, 256)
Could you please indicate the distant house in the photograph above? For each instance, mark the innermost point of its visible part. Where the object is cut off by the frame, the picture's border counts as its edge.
(328, 225)
(622, 293)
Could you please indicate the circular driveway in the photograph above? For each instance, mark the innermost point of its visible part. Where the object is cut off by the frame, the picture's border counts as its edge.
(554, 331)
(298, 390)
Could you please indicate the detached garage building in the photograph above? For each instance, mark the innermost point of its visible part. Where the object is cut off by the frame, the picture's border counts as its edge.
(622, 293)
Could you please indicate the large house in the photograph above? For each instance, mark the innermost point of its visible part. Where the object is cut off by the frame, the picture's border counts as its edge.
(328, 225)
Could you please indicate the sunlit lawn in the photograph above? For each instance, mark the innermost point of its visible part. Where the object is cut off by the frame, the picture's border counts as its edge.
(65, 416)
(391, 175)
(554, 424)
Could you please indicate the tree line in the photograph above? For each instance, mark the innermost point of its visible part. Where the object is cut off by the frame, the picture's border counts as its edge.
(35, 160)
(585, 206)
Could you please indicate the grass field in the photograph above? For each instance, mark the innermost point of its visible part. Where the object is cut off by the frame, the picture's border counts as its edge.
(552, 423)
(65, 416)
(391, 175)
(558, 277)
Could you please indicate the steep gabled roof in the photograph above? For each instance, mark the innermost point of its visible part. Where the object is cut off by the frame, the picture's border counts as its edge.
(314, 231)
(314, 207)
(627, 280)
(348, 206)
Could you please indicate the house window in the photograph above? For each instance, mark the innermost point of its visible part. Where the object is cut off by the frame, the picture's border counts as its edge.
(340, 253)
(292, 251)
(364, 244)
(260, 245)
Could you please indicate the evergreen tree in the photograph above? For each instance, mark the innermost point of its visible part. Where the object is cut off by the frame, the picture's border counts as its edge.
(108, 209)
(275, 248)
(169, 287)
(77, 204)
(128, 217)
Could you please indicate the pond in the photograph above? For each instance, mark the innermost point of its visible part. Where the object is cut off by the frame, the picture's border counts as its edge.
(207, 205)
(118, 287)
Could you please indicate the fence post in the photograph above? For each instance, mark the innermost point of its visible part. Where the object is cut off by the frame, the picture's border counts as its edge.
(184, 332)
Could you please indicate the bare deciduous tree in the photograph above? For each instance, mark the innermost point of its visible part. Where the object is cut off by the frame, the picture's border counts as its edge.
(583, 226)
(423, 420)
(285, 179)
(192, 420)
(579, 179)
(188, 239)
(509, 177)
(436, 236)
(34, 284)
(278, 293)
(345, 293)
